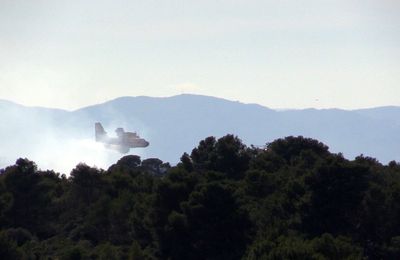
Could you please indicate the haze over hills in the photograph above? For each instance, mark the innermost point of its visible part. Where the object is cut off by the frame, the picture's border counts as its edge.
(59, 139)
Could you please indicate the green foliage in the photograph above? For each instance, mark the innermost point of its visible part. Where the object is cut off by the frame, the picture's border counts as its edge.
(291, 147)
(336, 191)
(75, 253)
(228, 155)
(8, 248)
(292, 200)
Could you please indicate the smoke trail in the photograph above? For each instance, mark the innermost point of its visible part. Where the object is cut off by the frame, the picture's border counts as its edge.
(53, 139)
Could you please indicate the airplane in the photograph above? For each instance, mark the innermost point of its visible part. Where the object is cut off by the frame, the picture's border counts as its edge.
(122, 143)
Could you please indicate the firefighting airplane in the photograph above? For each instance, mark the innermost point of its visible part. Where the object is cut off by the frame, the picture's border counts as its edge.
(122, 143)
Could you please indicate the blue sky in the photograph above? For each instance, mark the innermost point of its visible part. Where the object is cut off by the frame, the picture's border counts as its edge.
(281, 54)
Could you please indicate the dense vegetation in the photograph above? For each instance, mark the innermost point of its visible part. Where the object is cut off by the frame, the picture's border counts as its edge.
(292, 200)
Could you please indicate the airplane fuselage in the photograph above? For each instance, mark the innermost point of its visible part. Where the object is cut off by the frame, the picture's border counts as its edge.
(122, 143)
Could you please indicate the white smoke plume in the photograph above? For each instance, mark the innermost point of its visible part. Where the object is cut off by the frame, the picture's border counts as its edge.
(52, 139)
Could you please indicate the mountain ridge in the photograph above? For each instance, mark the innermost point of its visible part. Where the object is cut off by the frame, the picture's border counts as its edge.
(130, 98)
(176, 124)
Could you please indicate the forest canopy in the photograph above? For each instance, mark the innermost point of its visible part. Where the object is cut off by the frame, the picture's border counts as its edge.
(292, 199)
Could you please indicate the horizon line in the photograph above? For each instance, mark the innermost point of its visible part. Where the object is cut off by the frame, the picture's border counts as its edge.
(277, 109)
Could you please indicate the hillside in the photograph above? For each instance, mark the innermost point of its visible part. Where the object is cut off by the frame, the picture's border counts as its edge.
(175, 124)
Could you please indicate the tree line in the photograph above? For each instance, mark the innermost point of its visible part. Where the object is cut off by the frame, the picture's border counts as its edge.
(292, 199)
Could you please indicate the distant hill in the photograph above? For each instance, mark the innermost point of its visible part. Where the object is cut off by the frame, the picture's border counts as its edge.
(59, 139)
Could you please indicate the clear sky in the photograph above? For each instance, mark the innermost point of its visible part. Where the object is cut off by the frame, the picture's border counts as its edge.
(281, 54)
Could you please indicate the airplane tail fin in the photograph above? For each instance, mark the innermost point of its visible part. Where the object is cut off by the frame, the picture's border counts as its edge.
(99, 131)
